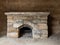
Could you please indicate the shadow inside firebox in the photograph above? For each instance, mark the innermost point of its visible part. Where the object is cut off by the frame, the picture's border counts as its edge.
(25, 31)
(49, 26)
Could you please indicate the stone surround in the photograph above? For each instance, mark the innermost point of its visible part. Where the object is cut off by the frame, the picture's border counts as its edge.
(37, 21)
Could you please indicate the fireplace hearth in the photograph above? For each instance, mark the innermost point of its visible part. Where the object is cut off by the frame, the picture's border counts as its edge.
(27, 24)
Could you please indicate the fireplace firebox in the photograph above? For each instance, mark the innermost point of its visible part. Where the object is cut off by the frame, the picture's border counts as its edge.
(25, 31)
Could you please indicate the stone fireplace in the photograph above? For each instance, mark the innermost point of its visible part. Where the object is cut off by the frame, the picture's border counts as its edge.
(27, 24)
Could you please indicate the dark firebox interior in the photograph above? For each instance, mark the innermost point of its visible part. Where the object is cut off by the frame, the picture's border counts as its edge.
(25, 32)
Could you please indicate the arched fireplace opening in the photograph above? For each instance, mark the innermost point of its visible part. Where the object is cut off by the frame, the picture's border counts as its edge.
(25, 31)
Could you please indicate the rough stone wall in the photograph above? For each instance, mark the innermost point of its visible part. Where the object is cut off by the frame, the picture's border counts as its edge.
(37, 21)
(52, 6)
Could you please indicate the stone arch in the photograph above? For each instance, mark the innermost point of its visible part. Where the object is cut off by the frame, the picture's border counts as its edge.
(23, 25)
(25, 28)
(29, 25)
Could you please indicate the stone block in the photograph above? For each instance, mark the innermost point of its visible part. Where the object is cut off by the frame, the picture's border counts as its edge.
(44, 37)
(42, 26)
(36, 21)
(10, 17)
(16, 25)
(43, 17)
(12, 30)
(20, 17)
(44, 32)
(12, 34)
(10, 20)
(43, 21)
(9, 24)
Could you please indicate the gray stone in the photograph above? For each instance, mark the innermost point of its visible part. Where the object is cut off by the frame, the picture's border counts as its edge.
(37, 21)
